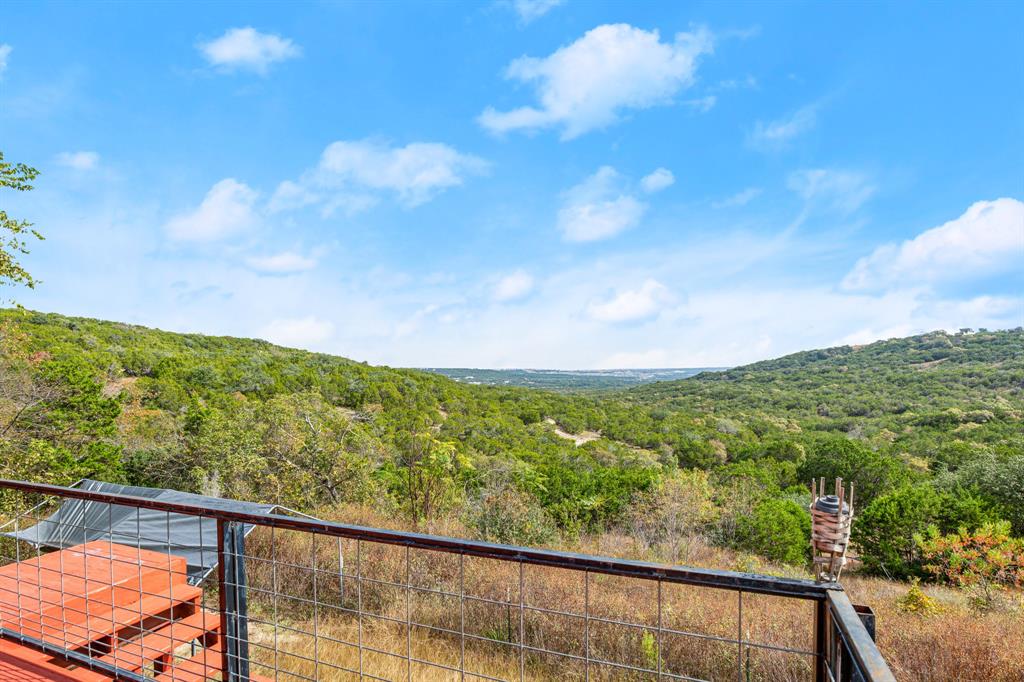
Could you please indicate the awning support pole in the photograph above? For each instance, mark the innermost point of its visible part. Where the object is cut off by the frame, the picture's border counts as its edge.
(234, 612)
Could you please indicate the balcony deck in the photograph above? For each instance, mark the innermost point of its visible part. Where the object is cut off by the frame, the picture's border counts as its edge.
(129, 608)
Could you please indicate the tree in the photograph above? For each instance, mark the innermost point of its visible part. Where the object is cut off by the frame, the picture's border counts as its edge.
(430, 470)
(14, 232)
(671, 515)
(871, 472)
(886, 531)
(56, 424)
(778, 529)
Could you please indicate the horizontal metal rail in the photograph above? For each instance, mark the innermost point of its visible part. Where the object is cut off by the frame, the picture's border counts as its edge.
(729, 580)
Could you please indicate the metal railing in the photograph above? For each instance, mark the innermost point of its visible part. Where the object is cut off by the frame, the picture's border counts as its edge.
(302, 599)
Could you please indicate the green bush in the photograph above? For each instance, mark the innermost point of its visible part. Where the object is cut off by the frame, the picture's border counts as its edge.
(886, 530)
(778, 529)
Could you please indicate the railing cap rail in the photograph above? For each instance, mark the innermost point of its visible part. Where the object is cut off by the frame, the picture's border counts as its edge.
(730, 580)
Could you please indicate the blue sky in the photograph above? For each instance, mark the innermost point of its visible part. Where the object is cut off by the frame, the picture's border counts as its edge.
(523, 183)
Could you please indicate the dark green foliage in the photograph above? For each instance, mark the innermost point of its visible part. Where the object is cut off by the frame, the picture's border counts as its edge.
(886, 530)
(778, 529)
(930, 425)
(834, 457)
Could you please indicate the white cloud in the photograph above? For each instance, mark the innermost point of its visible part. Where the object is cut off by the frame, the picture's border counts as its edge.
(248, 49)
(657, 180)
(588, 84)
(353, 175)
(530, 10)
(988, 239)
(413, 322)
(775, 134)
(843, 191)
(290, 196)
(5, 52)
(416, 172)
(736, 309)
(298, 332)
(598, 208)
(632, 305)
(226, 210)
(283, 263)
(78, 160)
(513, 287)
(741, 198)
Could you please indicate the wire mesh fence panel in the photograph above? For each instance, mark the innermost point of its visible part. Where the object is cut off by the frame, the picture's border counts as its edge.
(304, 600)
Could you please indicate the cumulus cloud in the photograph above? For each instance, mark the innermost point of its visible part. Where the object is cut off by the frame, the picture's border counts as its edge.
(988, 239)
(5, 53)
(298, 332)
(741, 198)
(778, 133)
(513, 287)
(283, 263)
(531, 10)
(354, 175)
(248, 49)
(78, 160)
(632, 305)
(840, 190)
(416, 172)
(657, 180)
(589, 83)
(598, 208)
(226, 210)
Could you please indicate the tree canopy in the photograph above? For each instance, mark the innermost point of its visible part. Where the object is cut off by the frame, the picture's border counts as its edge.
(927, 427)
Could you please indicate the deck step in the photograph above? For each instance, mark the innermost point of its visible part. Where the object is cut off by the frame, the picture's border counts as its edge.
(74, 627)
(24, 664)
(160, 644)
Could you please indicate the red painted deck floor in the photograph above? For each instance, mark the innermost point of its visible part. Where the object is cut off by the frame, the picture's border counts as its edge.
(128, 607)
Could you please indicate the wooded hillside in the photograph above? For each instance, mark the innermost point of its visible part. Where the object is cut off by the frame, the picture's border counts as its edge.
(929, 427)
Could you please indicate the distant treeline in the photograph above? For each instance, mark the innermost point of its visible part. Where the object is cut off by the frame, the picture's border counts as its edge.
(568, 380)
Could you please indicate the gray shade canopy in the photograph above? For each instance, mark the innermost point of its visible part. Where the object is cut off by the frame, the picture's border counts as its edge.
(194, 538)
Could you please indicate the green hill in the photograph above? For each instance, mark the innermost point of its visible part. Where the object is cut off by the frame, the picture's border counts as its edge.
(937, 413)
(927, 380)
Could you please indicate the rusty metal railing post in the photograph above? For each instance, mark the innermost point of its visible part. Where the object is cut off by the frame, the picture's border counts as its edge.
(821, 662)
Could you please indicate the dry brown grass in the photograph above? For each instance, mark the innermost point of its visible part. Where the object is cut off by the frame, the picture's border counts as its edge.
(491, 616)
(954, 644)
(957, 643)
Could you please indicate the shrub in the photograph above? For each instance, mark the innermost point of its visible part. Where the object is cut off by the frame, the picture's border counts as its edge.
(510, 517)
(887, 528)
(986, 556)
(916, 601)
(778, 529)
(667, 517)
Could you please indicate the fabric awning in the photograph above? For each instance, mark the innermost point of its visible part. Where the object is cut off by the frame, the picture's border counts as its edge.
(195, 538)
